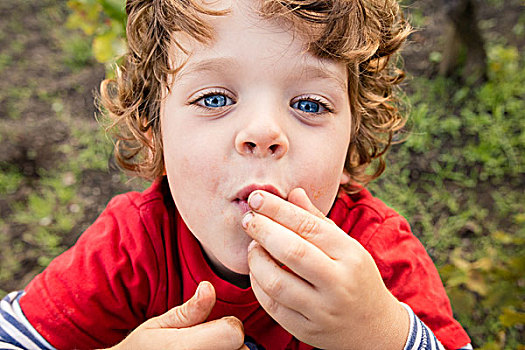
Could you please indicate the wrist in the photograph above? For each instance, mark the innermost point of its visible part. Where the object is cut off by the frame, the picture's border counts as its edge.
(394, 327)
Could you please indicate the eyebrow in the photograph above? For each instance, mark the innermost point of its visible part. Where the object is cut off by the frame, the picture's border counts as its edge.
(311, 71)
(225, 64)
(208, 65)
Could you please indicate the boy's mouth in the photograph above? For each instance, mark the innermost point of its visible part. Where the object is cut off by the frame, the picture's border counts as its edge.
(241, 198)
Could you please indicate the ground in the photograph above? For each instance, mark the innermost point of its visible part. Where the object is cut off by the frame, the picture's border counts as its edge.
(47, 114)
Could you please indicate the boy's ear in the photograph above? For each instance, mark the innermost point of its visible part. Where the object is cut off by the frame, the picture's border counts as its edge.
(345, 177)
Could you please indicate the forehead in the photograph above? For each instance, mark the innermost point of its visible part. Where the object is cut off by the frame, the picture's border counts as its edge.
(244, 37)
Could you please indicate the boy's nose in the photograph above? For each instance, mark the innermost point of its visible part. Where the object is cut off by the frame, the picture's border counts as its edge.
(262, 141)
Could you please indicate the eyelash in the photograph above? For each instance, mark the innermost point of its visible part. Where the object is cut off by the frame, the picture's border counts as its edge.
(209, 93)
(194, 102)
(328, 108)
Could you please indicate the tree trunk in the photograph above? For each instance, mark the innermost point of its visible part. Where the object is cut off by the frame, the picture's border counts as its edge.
(463, 32)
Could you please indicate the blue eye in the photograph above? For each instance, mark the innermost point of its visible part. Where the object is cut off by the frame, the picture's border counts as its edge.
(215, 101)
(309, 106)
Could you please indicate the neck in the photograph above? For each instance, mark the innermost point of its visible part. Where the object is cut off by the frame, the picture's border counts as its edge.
(237, 279)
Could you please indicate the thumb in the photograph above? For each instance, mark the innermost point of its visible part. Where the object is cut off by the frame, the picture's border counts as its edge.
(191, 313)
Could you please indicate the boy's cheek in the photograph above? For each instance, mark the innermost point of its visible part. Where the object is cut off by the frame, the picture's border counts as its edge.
(321, 183)
(201, 174)
(322, 197)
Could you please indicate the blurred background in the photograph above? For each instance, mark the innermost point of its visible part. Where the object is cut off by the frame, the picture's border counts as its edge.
(458, 178)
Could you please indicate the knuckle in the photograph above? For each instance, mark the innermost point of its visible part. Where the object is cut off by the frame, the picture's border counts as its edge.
(312, 330)
(271, 306)
(234, 331)
(274, 210)
(180, 314)
(275, 286)
(295, 253)
(332, 312)
(307, 227)
(255, 226)
(361, 261)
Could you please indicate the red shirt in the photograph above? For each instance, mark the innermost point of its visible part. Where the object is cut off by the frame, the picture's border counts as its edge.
(139, 259)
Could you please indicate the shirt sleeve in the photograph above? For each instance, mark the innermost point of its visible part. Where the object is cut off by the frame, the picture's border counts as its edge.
(420, 337)
(15, 330)
(101, 288)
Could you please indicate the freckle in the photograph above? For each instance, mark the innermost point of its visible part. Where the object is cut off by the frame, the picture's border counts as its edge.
(316, 193)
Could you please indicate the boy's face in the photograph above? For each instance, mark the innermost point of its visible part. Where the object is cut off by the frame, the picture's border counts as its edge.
(251, 110)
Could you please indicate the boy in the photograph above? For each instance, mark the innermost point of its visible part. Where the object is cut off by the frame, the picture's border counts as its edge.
(251, 115)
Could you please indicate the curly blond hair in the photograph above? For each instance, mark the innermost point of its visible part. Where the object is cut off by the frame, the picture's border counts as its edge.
(364, 34)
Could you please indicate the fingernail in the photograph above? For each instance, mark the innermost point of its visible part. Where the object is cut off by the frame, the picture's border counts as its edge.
(255, 200)
(200, 289)
(246, 219)
(251, 245)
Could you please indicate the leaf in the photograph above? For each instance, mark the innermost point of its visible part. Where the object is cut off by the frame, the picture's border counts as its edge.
(510, 317)
(490, 346)
(457, 279)
(507, 238)
(458, 261)
(518, 264)
(484, 264)
(462, 301)
(520, 218)
(103, 47)
(85, 16)
(477, 283)
(502, 237)
(114, 9)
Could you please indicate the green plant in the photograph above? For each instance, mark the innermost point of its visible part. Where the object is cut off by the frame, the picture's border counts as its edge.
(10, 180)
(104, 21)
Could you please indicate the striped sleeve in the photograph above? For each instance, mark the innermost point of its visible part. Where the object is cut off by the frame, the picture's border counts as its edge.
(421, 337)
(15, 330)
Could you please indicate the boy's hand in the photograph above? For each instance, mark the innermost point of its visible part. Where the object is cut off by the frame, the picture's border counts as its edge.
(330, 294)
(182, 327)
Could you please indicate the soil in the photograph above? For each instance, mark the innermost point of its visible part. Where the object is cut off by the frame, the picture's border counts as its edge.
(35, 74)
(35, 77)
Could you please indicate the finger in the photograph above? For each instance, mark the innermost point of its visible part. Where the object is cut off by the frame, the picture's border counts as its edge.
(226, 333)
(289, 319)
(302, 257)
(279, 284)
(299, 197)
(321, 232)
(192, 312)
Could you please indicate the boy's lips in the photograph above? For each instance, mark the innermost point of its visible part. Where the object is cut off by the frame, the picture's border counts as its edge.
(241, 198)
